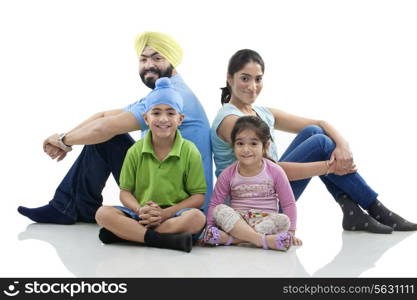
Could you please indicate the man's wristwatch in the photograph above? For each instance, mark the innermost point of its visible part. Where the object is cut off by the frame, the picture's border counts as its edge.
(62, 144)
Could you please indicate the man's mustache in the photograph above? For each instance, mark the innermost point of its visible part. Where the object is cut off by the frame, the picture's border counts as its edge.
(153, 70)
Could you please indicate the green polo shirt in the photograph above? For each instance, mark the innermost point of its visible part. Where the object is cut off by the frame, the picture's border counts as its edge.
(166, 182)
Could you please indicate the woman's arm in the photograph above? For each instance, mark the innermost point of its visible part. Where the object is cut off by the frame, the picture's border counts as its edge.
(298, 171)
(224, 130)
(341, 156)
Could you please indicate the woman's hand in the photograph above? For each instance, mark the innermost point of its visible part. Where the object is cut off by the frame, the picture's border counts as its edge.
(341, 161)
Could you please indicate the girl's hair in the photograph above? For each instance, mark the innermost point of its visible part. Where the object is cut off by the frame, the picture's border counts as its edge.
(258, 126)
(236, 63)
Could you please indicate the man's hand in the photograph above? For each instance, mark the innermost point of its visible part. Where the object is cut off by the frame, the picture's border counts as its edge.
(55, 152)
(52, 147)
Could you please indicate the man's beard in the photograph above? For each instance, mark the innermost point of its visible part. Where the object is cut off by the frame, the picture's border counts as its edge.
(150, 82)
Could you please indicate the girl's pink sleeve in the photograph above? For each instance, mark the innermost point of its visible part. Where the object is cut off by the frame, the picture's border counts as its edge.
(220, 193)
(285, 195)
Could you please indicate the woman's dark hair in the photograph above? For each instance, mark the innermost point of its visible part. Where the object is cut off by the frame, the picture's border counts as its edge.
(260, 128)
(237, 63)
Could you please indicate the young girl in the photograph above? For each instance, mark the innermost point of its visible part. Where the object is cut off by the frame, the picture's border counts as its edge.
(256, 186)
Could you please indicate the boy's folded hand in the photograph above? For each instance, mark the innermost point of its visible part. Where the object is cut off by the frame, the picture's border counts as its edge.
(150, 215)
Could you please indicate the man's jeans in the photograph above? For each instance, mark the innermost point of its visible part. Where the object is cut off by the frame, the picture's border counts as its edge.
(312, 144)
(79, 194)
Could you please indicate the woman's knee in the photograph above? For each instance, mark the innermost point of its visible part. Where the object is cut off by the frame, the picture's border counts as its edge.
(324, 142)
(312, 130)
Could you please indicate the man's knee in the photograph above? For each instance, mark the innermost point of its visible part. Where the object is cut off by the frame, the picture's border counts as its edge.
(119, 144)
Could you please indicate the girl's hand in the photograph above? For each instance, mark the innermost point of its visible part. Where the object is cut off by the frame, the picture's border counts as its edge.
(295, 241)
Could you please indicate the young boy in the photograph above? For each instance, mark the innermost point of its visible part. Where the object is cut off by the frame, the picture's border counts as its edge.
(162, 183)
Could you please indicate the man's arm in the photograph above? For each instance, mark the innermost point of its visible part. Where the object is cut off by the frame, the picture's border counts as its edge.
(97, 129)
(102, 129)
(99, 115)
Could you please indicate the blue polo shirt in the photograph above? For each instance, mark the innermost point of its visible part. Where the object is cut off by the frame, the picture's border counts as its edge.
(195, 127)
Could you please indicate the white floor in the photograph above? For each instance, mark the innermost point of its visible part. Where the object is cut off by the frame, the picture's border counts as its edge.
(352, 64)
(41, 250)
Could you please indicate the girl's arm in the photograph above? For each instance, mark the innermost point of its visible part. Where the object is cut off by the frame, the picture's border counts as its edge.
(220, 193)
(341, 156)
(287, 201)
(285, 195)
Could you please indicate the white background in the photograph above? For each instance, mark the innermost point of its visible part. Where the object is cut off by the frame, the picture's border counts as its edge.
(351, 63)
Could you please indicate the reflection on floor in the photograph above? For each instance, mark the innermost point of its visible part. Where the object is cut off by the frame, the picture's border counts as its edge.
(81, 253)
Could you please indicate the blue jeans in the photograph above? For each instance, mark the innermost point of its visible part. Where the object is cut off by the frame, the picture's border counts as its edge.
(312, 144)
(79, 194)
(131, 214)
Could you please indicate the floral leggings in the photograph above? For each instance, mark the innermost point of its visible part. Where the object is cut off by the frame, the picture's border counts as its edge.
(262, 222)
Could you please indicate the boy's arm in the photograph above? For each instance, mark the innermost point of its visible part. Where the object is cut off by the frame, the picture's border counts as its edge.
(194, 201)
(195, 185)
(153, 215)
(128, 200)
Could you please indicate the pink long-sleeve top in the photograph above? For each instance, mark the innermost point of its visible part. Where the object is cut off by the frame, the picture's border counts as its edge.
(265, 191)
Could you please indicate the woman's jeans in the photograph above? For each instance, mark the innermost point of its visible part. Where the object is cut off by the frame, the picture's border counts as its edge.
(312, 144)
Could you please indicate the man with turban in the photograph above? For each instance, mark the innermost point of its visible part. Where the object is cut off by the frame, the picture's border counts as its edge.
(106, 139)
